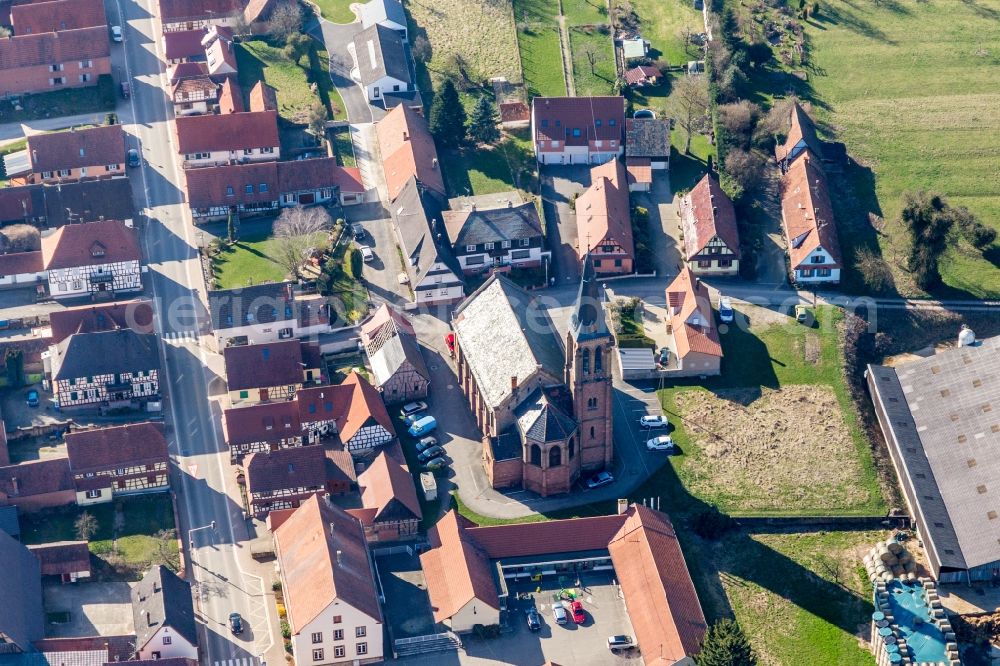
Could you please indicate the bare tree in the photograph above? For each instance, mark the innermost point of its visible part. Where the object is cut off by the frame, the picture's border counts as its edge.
(85, 526)
(166, 549)
(20, 238)
(421, 49)
(745, 167)
(739, 119)
(685, 34)
(873, 269)
(241, 26)
(592, 52)
(296, 231)
(286, 19)
(688, 105)
(317, 120)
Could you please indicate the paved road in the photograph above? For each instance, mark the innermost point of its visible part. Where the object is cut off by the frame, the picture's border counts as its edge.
(224, 576)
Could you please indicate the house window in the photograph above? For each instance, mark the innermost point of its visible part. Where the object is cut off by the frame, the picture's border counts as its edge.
(167, 640)
(618, 263)
(489, 246)
(229, 191)
(475, 261)
(338, 634)
(46, 174)
(612, 122)
(470, 248)
(65, 172)
(818, 259)
(725, 263)
(317, 637)
(806, 272)
(249, 189)
(112, 167)
(267, 149)
(362, 648)
(248, 151)
(505, 244)
(84, 78)
(120, 471)
(705, 263)
(597, 263)
(56, 68)
(823, 272)
(591, 403)
(597, 122)
(339, 651)
(244, 395)
(318, 655)
(93, 494)
(360, 632)
(86, 64)
(337, 619)
(57, 81)
(525, 242)
(576, 131)
(73, 396)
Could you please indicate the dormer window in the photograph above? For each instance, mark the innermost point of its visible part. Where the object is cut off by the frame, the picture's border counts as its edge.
(97, 250)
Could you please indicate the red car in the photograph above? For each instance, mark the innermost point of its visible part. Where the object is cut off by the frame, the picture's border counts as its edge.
(576, 608)
(449, 340)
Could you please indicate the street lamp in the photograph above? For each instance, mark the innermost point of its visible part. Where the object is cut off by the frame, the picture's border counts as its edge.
(191, 532)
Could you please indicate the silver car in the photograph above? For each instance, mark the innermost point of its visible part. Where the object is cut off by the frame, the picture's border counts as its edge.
(559, 613)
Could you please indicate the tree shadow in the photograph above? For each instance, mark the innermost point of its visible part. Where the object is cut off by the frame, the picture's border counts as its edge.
(852, 21)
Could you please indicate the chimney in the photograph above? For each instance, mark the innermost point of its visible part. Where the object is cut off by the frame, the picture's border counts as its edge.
(434, 163)
(340, 557)
(513, 383)
(473, 209)
(14, 484)
(406, 135)
(622, 505)
(332, 526)
(510, 203)
(149, 619)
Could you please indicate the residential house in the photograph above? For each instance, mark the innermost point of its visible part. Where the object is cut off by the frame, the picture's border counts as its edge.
(220, 51)
(92, 152)
(708, 224)
(577, 130)
(541, 399)
(22, 616)
(390, 508)
(232, 138)
(407, 149)
(340, 474)
(136, 315)
(639, 546)
(53, 60)
(65, 203)
(231, 97)
(96, 258)
(604, 220)
(695, 350)
(647, 149)
(352, 410)
(21, 268)
(36, 485)
(105, 370)
(809, 224)
(434, 275)
(263, 97)
(194, 14)
(328, 582)
(642, 75)
(22, 204)
(70, 560)
(194, 95)
(163, 613)
(270, 370)
(257, 15)
(386, 13)
(801, 138)
(484, 237)
(120, 460)
(256, 314)
(398, 368)
(267, 426)
(264, 187)
(284, 478)
(183, 46)
(56, 15)
(382, 61)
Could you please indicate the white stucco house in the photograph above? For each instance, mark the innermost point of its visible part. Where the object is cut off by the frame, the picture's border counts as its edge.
(163, 611)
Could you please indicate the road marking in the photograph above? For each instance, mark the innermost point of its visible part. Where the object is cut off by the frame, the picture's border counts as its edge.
(193, 470)
(180, 337)
(244, 661)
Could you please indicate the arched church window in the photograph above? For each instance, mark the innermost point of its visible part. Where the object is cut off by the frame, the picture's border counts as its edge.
(555, 456)
(536, 455)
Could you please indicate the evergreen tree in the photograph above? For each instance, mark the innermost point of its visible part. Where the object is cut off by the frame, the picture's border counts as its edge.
(726, 645)
(231, 229)
(447, 121)
(483, 124)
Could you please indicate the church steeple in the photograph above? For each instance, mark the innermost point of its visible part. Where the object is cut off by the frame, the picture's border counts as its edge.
(587, 320)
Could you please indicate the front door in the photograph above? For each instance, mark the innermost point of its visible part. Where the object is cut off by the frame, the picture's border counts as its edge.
(377, 92)
(263, 395)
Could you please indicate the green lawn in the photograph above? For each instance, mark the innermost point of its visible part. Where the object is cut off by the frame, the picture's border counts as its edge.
(911, 89)
(260, 60)
(336, 11)
(97, 99)
(585, 12)
(343, 147)
(541, 59)
(662, 23)
(490, 170)
(687, 170)
(248, 261)
(535, 11)
(136, 548)
(601, 80)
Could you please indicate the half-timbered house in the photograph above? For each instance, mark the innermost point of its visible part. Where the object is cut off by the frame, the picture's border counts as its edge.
(271, 371)
(398, 368)
(267, 426)
(127, 459)
(93, 258)
(711, 235)
(390, 508)
(107, 369)
(359, 417)
(603, 220)
(163, 615)
(282, 479)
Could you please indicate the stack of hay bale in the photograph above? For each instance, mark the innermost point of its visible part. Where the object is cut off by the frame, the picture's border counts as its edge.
(888, 560)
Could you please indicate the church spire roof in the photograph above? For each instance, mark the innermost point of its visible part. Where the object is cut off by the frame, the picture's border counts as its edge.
(587, 321)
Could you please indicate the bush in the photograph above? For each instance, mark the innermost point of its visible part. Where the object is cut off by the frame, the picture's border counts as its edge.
(487, 631)
(712, 524)
(286, 630)
(353, 262)
(276, 586)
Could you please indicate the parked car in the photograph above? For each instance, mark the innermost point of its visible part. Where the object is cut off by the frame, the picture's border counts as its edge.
(431, 453)
(367, 254)
(663, 358)
(413, 418)
(126, 89)
(132, 157)
(426, 443)
(726, 312)
(661, 443)
(600, 479)
(413, 408)
(358, 231)
(436, 463)
(534, 620)
(579, 617)
(116, 33)
(619, 643)
(653, 422)
(803, 315)
(423, 426)
(235, 623)
(559, 613)
(33, 398)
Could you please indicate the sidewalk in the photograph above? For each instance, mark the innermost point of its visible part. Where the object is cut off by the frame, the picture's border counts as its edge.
(10, 132)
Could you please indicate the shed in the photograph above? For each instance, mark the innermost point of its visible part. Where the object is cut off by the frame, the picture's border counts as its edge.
(636, 363)
(429, 485)
(633, 49)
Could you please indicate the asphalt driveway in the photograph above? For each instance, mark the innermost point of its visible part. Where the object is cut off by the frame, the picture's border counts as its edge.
(559, 184)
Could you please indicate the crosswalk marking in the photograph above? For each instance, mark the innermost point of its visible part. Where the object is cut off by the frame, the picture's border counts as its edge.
(245, 661)
(180, 337)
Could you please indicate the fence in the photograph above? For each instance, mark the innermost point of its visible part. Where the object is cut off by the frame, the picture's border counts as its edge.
(824, 522)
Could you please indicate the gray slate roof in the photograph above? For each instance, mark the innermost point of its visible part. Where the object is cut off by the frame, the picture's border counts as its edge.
(106, 352)
(503, 333)
(377, 11)
(258, 304)
(647, 137)
(396, 351)
(946, 418)
(587, 320)
(473, 227)
(22, 617)
(380, 53)
(540, 420)
(414, 214)
(168, 601)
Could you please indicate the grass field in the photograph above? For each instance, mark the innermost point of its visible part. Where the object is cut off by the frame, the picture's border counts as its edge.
(541, 59)
(662, 23)
(343, 147)
(248, 261)
(585, 12)
(259, 60)
(687, 170)
(910, 88)
(506, 166)
(336, 11)
(602, 80)
(97, 99)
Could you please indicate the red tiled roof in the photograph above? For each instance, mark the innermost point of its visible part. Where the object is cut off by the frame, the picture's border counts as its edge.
(382, 316)
(52, 47)
(90, 244)
(262, 365)
(232, 131)
(348, 179)
(21, 263)
(512, 112)
(707, 212)
(206, 186)
(313, 174)
(457, 570)
(120, 648)
(407, 149)
(691, 316)
(62, 557)
(602, 211)
(641, 73)
(807, 213)
(263, 97)
(640, 169)
(178, 10)
(656, 585)
(324, 559)
(556, 118)
(385, 484)
(183, 44)
(198, 84)
(38, 477)
(16, 203)
(57, 15)
(137, 315)
(257, 10)
(339, 465)
(72, 149)
(802, 129)
(546, 538)
(365, 406)
(285, 469)
(266, 422)
(118, 446)
(230, 97)
(186, 70)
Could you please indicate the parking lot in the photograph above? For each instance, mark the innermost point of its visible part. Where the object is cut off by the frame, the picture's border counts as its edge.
(95, 609)
(17, 413)
(407, 608)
